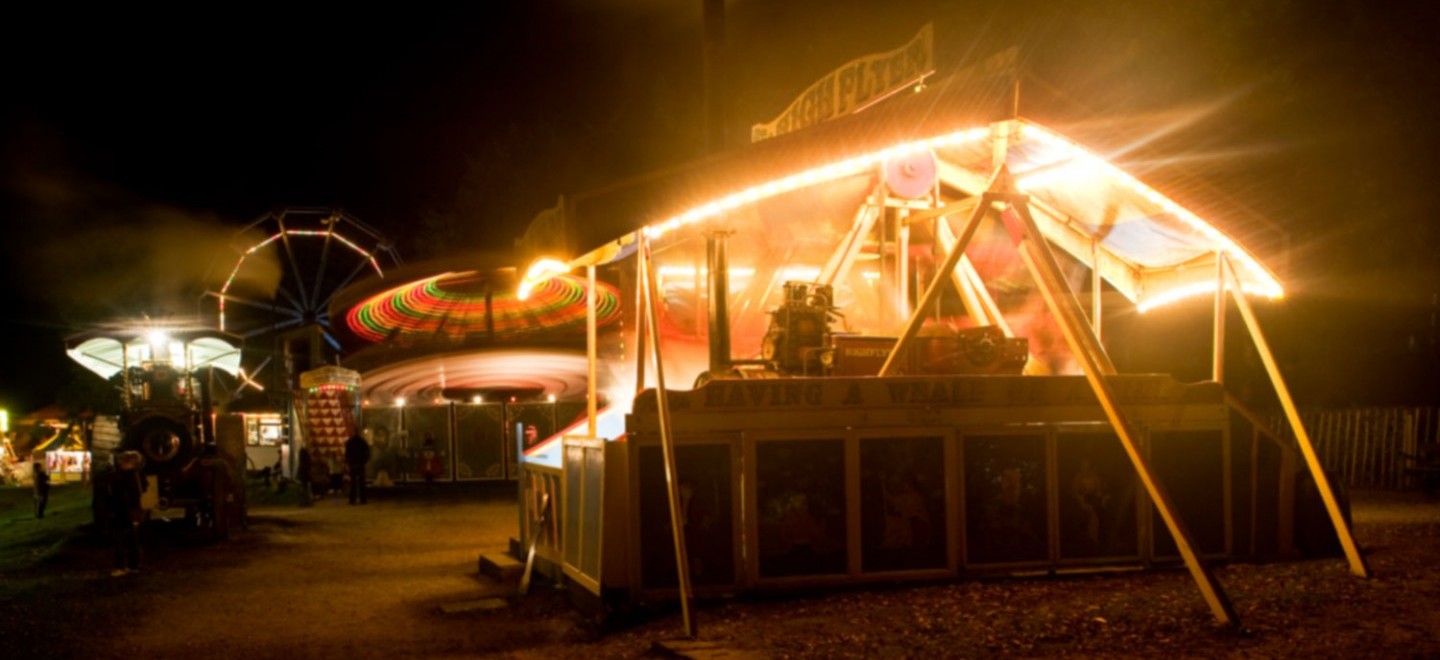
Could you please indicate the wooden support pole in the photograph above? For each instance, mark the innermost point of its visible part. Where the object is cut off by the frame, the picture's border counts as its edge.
(932, 293)
(639, 314)
(1307, 449)
(1041, 263)
(902, 266)
(976, 298)
(844, 256)
(1217, 372)
(1097, 284)
(591, 391)
(667, 440)
(1052, 282)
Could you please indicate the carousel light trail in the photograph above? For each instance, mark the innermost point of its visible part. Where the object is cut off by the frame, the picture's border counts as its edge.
(552, 373)
(438, 305)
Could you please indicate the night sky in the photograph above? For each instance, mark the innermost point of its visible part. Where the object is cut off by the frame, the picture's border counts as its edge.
(135, 140)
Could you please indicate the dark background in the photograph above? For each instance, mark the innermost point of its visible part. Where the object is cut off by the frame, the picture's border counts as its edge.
(135, 141)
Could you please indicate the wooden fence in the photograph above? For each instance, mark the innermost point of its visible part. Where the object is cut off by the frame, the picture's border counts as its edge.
(1367, 447)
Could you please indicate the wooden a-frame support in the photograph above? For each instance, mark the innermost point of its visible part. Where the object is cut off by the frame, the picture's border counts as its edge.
(1302, 438)
(650, 295)
(1080, 337)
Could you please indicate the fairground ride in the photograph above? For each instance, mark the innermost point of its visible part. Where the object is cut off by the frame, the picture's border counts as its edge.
(447, 349)
(894, 374)
(290, 263)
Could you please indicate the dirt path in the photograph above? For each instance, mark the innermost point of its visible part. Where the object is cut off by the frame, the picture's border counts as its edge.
(342, 581)
(325, 581)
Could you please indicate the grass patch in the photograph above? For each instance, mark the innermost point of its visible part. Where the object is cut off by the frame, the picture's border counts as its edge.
(24, 539)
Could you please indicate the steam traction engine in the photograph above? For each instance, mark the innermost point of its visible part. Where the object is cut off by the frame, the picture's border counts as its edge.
(166, 379)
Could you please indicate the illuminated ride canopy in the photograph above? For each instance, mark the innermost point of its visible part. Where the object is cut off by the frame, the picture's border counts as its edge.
(840, 205)
(107, 352)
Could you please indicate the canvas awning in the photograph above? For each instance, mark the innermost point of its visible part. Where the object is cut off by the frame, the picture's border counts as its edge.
(106, 352)
(1149, 247)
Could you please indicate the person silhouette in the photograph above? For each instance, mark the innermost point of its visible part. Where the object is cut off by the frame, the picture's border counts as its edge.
(357, 454)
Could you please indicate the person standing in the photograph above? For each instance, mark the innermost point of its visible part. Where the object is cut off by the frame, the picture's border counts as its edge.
(302, 476)
(357, 454)
(126, 513)
(40, 477)
(430, 466)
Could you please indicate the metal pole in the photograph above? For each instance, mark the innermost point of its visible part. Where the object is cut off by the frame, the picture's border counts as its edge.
(1302, 438)
(667, 441)
(591, 403)
(717, 263)
(1040, 261)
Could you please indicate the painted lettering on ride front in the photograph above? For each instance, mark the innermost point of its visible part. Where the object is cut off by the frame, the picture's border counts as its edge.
(933, 392)
(756, 394)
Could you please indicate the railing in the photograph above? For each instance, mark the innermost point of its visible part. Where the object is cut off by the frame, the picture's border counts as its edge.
(561, 510)
(1369, 447)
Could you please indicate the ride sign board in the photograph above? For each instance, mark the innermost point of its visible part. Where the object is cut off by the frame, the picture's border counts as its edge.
(857, 85)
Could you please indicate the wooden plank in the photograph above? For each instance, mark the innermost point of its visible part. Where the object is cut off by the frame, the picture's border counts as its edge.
(1307, 449)
(1064, 308)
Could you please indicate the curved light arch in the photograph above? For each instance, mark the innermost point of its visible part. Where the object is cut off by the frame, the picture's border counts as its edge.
(245, 254)
(318, 251)
(1067, 159)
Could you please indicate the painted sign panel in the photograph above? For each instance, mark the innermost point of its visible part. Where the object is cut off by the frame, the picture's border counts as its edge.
(800, 498)
(1005, 493)
(902, 503)
(705, 503)
(1097, 493)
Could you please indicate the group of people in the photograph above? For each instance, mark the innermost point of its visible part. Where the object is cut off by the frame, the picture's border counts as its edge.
(319, 477)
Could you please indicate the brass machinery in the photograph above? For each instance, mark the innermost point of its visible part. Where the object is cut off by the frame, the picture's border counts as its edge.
(801, 342)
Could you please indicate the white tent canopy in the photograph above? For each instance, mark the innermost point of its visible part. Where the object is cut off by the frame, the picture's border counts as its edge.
(106, 353)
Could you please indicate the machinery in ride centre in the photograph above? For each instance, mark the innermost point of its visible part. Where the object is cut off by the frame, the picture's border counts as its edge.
(801, 341)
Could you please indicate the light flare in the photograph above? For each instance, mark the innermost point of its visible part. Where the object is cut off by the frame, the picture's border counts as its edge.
(1187, 291)
(540, 271)
(844, 168)
(1085, 163)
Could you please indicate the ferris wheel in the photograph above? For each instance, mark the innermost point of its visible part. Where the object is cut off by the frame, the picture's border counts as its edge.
(291, 262)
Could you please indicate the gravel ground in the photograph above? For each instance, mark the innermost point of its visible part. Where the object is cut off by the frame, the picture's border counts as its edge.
(368, 581)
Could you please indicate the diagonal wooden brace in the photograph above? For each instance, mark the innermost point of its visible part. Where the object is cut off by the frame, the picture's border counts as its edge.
(1040, 261)
(1307, 449)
